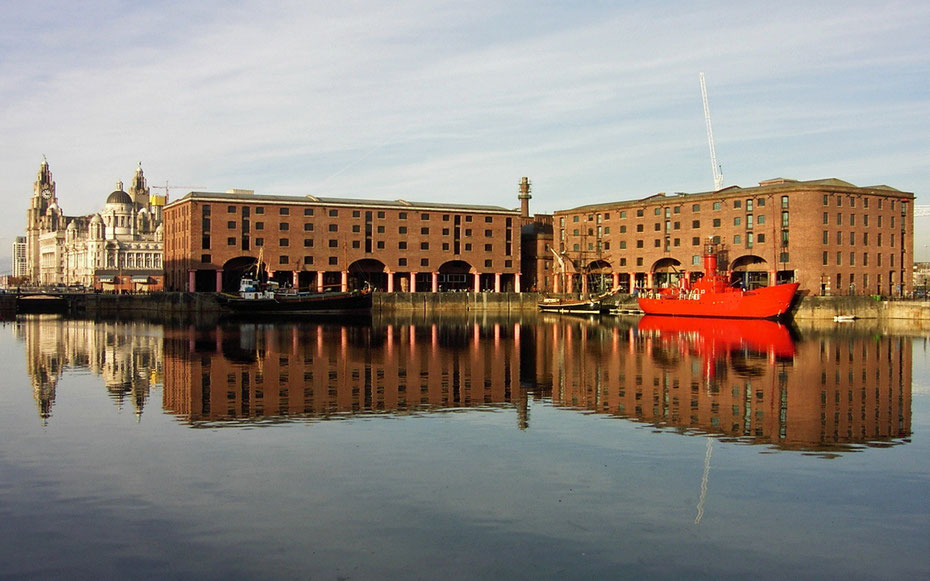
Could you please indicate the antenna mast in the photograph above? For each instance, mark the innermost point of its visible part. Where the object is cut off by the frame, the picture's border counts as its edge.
(718, 173)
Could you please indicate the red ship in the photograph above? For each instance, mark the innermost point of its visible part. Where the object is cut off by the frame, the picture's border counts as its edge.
(713, 296)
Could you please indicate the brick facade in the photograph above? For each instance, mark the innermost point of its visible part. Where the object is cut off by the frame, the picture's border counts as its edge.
(828, 235)
(334, 243)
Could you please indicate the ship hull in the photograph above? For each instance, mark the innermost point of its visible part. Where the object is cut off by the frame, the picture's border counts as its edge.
(769, 302)
(306, 304)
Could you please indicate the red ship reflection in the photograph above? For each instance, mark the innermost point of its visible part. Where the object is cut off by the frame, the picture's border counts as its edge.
(714, 338)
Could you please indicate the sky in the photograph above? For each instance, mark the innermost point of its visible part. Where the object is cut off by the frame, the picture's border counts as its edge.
(455, 101)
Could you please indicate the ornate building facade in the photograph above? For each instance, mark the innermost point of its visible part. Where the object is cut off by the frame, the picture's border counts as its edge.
(116, 249)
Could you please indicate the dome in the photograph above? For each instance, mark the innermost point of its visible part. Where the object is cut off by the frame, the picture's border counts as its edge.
(96, 219)
(119, 197)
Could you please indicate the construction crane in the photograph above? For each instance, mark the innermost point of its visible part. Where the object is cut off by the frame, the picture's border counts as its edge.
(166, 187)
(718, 173)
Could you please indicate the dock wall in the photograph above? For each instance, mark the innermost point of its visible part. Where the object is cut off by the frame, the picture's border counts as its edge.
(171, 305)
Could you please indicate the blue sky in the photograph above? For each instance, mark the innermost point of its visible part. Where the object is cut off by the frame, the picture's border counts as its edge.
(454, 102)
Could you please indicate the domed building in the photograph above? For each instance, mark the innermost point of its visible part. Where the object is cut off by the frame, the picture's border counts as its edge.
(117, 249)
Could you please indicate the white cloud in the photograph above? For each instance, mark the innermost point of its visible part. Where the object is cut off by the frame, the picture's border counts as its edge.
(429, 101)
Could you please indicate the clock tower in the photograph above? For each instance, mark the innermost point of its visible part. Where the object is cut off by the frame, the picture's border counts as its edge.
(43, 196)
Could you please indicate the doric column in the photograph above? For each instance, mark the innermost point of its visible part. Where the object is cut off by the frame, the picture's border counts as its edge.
(435, 282)
(191, 280)
(497, 282)
(773, 275)
(556, 285)
(616, 281)
(649, 280)
(345, 281)
(632, 276)
(390, 281)
(584, 283)
(413, 282)
(296, 280)
(516, 283)
(477, 282)
(319, 281)
(219, 280)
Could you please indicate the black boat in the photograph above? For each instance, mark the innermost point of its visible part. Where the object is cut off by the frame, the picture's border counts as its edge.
(268, 299)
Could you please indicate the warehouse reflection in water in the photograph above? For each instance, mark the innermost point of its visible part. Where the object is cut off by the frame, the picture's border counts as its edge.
(742, 380)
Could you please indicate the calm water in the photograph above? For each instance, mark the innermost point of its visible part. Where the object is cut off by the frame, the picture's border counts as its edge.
(545, 448)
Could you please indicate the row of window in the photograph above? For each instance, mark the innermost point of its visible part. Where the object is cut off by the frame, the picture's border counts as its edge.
(696, 259)
(356, 228)
(668, 211)
(206, 210)
(852, 238)
(851, 202)
(852, 220)
(852, 259)
(206, 242)
(750, 221)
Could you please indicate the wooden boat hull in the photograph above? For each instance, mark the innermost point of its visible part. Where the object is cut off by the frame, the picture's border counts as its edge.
(768, 302)
(306, 304)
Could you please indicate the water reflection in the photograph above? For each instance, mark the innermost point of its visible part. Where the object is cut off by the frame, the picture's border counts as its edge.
(742, 380)
(268, 372)
(127, 356)
(746, 380)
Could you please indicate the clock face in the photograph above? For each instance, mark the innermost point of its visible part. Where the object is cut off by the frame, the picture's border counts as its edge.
(46, 193)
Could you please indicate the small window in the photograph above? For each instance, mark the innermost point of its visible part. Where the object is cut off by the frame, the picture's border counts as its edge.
(402, 216)
(424, 245)
(285, 211)
(205, 258)
(308, 227)
(333, 260)
(333, 243)
(308, 211)
(424, 216)
(333, 213)
(284, 226)
(283, 242)
(696, 224)
(231, 225)
(230, 209)
(356, 213)
(259, 209)
(283, 259)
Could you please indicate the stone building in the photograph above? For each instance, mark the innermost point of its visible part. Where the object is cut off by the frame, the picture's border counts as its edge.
(830, 236)
(116, 249)
(339, 243)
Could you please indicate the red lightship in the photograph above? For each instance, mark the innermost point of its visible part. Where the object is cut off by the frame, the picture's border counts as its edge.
(713, 296)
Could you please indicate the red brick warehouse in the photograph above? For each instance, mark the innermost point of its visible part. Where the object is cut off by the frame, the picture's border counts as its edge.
(314, 243)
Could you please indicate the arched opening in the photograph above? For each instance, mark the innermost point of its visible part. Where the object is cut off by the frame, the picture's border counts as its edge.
(456, 276)
(666, 272)
(367, 272)
(749, 271)
(233, 271)
(600, 276)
